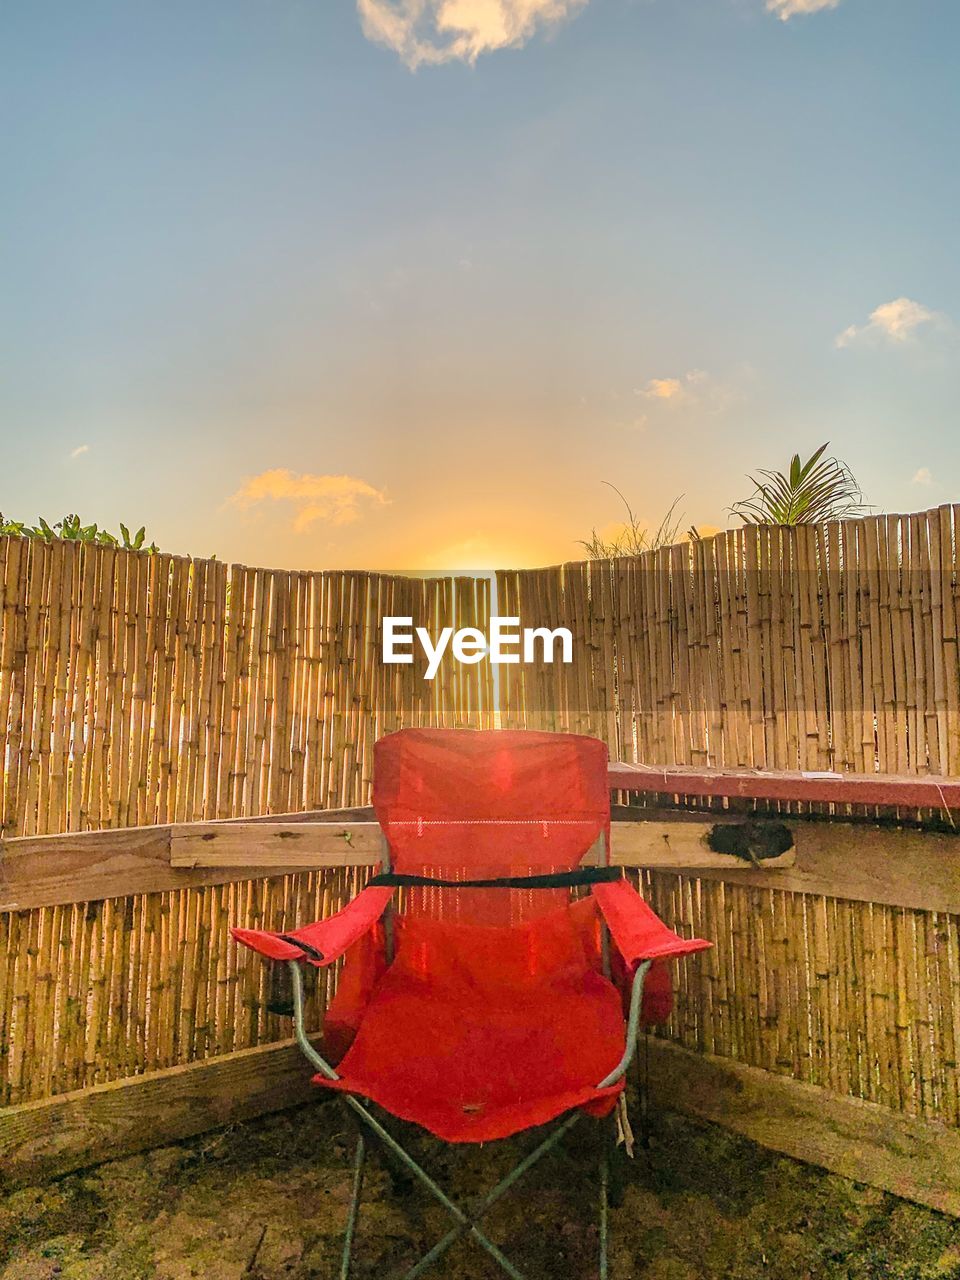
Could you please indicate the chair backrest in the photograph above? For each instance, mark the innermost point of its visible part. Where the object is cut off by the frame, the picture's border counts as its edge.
(465, 804)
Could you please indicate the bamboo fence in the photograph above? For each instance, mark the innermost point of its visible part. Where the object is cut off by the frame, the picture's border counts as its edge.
(827, 647)
(142, 689)
(100, 991)
(859, 998)
(139, 689)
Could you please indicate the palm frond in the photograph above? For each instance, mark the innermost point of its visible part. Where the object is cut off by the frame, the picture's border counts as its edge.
(809, 492)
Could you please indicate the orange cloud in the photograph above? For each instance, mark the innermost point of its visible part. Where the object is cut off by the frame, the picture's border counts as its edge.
(673, 390)
(335, 499)
(664, 388)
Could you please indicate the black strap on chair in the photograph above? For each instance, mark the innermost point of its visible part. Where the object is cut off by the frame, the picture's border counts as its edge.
(549, 880)
(305, 947)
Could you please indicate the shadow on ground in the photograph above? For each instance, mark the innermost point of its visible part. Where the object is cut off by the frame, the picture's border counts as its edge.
(267, 1201)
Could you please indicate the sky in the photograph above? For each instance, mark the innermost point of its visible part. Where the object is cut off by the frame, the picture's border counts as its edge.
(400, 284)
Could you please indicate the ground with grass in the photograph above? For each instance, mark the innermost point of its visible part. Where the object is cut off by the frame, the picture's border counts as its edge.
(267, 1201)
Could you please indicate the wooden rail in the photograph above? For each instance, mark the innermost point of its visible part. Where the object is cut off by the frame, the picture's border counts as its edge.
(88, 866)
(918, 870)
(53, 1136)
(857, 861)
(309, 845)
(870, 789)
(918, 1160)
(915, 1159)
(42, 871)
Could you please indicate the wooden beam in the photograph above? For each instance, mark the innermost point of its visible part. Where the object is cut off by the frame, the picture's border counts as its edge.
(268, 844)
(919, 870)
(894, 867)
(360, 813)
(636, 843)
(45, 1139)
(87, 866)
(40, 871)
(757, 784)
(915, 1159)
(683, 846)
(918, 1160)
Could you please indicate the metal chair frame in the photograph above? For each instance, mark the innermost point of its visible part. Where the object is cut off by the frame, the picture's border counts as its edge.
(465, 1217)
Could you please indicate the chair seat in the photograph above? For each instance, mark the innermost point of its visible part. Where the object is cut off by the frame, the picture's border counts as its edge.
(491, 1041)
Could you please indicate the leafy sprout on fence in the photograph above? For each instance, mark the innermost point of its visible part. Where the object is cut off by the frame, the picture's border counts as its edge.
(808, 493)
(71, 529)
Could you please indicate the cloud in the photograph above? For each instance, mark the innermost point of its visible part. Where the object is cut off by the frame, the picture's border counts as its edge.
(430, 32)
(786, 9)
(80, 449)
(335, 499)
(673, 390)
(663, 389)
(923, 476)
(895, 321)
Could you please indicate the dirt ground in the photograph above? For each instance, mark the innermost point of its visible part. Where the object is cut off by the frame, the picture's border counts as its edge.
(267, 1201)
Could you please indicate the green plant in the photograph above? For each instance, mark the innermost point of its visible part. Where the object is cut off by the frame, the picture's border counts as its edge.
(70, 529)
(635, 536)
(810, 492)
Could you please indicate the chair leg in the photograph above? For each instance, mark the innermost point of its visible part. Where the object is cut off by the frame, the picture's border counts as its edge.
(458, 1214)
(604, 1202)
(354, 1213)
(466, 1221)
(401, 1183)
(489, 1200)
(618, 1165)
(643, 1090)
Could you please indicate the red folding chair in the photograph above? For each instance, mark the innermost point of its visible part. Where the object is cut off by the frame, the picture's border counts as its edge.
(480, 1002)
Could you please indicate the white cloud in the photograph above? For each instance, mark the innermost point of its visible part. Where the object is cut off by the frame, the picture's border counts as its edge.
(335, 499)
(895, 321)
(923, 476)
(80, 449)
(786, 9)
(430, 32)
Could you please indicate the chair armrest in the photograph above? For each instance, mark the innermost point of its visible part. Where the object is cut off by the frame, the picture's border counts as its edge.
(326, 940)
(637, 931)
